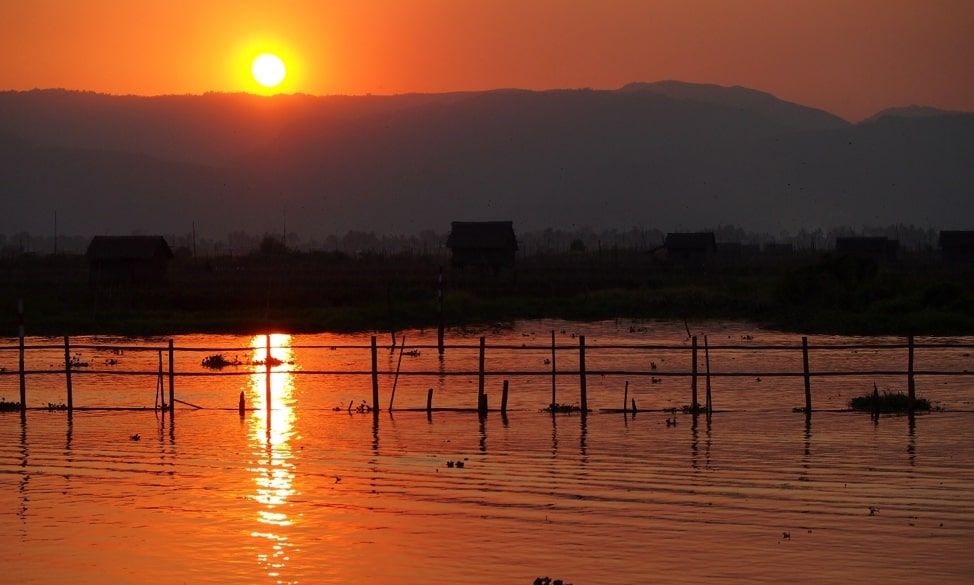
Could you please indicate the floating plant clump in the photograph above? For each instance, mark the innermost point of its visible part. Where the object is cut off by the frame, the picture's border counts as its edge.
(218, 362)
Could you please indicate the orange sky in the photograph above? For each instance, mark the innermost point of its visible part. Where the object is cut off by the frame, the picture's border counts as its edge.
(852, 57)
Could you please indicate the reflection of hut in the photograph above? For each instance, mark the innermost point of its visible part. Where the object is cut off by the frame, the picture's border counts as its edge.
(879, 248)
(691, 247)
(957, 246)
(128, 258)
(490, 244)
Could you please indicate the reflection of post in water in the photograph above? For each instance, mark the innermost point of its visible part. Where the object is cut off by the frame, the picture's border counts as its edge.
(483, 433)
(554, 435)
(24, 475)
(583, 438)
(911, 446)
(694, 442)
(706, 445)
(807, 453)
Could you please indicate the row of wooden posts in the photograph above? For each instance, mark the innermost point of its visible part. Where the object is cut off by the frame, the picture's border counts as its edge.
(481, 392)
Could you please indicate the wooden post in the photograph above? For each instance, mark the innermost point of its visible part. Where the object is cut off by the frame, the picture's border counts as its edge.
(504, 398)
(808, 377)
(375, 377)
(267, 374)
(23, 375)
(241, 404)
(583, 388)
(706, 352)
(439, 300)
(429, 400)
(67, 373)
(395, 381)
(694, 405)
(553, 370)
(480, 379)
(482, 404)
(172, 382)
(625, 398)
(910, 381)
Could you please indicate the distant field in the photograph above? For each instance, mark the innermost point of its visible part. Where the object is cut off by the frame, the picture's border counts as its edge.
(326, 291)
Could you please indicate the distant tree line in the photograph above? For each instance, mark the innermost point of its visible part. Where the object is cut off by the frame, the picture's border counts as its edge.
(431, 243)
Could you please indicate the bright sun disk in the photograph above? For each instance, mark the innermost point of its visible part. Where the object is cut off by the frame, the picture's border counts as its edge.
(268, 70)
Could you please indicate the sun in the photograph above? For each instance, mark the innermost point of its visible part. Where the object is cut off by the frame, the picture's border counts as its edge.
(268, 70)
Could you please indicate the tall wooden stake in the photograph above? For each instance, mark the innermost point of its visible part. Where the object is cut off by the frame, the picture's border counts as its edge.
(441, 325)
(910, 382)
(395, 381)
(706, 351)
(480, 378)
(172, 382)
(67, 373)
(583, 386)
(504, 398)
(808, 377)
(23, 375)
(554, 371)
(694, 405)
(625, 398)
(375, 377)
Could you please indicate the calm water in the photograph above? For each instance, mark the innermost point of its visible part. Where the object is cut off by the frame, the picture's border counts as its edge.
(328, 497)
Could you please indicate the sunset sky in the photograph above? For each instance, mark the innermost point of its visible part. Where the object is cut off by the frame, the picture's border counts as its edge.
(851, 57)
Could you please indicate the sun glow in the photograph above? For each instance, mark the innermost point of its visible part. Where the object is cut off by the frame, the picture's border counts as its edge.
(268, 70)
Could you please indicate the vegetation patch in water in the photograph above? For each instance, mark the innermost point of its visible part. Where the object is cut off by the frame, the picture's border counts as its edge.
(218, 362)
(549, 581)
(888, 402)
(556, 408)
(7, 406)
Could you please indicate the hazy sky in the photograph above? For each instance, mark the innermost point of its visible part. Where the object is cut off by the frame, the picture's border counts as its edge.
(851, 57)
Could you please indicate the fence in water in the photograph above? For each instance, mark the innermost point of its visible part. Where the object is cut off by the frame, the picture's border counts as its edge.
(166, 374)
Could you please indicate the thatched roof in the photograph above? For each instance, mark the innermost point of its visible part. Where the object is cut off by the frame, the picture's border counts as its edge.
(696, 241)
(482, 234)
(128, 248)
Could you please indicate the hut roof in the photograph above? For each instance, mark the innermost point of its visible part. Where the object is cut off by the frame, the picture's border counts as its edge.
(957, 239)
(690, 241)
(128, 248)
(482, 234)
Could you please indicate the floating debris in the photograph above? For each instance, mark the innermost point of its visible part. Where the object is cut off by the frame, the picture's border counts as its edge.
(136, 437)
(218, 362)
(555, 408)
(52, 406)
(549, 581)
(7, 406)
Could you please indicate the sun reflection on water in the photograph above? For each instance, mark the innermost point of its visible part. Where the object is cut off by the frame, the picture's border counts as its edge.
(272, 466)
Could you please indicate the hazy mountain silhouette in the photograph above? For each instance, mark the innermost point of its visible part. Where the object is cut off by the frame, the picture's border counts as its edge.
(911, 112)
(668, 154)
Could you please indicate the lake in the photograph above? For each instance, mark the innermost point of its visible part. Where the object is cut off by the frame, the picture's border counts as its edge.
(755, 494)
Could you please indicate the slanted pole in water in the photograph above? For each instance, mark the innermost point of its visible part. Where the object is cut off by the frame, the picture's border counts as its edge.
(583, 388)
(553, 370)
(172, 381)
(706, 353)
(480, 377)
(23, 376)
(694, 405)
(67, 373)
(504, 398)
(910, 381)
(375, 377)
(429, 400)
(625, 398)
(808, 378)
(395, 381)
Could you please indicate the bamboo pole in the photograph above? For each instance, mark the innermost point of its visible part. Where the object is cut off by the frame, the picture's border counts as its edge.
(504, 398)
(582, 382)
(67, 373)
(375, 377)
(21, 349)
(395, 381)
(480, 378)
(694, 405)
(625, 398)
(172, 382)
(706, 350)
(910, 380)
(553, 370)
(429, 400)
(808, 377)
(440, 324)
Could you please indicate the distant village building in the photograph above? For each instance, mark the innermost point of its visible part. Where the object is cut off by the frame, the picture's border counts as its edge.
(957, 246)
(488, 244)
(690, 248)
(128, 259)
(878, 248)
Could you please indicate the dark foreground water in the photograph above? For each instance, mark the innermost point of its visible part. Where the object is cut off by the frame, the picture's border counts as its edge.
(754, 495)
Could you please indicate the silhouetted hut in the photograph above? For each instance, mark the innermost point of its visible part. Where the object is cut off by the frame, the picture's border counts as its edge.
(878, 248)
(128, 259)
(490, 244)
(957, 246)
(690, 248)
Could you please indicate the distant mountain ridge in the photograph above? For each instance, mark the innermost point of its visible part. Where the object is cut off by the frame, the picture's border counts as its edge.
(669, 154)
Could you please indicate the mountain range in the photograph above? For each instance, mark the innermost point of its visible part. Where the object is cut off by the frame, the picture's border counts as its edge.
(671, 155)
